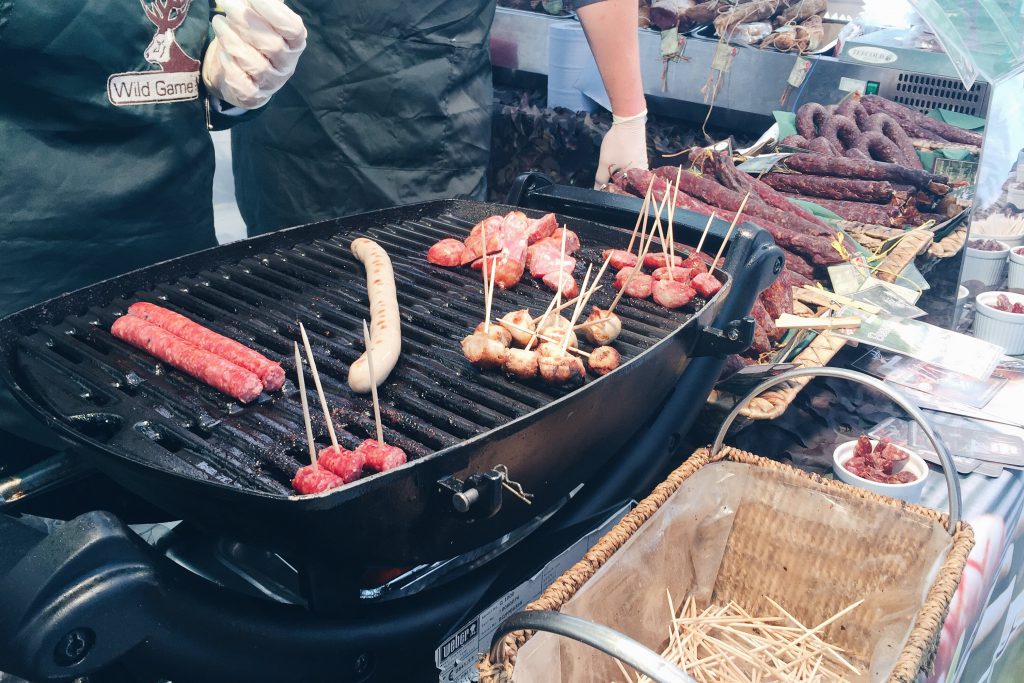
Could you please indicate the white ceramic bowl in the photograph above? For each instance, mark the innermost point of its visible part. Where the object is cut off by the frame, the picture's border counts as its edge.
(910, 492)
(1015, 279)
(985, 266)
(999, 327)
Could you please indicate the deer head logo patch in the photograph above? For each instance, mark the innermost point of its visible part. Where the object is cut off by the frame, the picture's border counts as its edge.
(176, 76)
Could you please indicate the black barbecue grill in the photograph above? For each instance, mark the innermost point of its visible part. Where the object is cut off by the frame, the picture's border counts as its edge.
(226, 468)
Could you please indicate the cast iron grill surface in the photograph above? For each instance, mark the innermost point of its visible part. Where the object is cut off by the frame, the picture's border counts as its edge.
(111, 393)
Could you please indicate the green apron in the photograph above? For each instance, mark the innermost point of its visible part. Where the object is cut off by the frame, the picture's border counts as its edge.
(390, 104)
(106, 163)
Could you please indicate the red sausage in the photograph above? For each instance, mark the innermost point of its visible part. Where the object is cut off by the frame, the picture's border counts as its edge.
(660, 260)
(620, 258)
(314, 479)
(672, 294)
(269, 372)
(639, 288)
(539, 228)
(706, 285)
(448, 252)
(347, 465)
(380, 457)
(207, 367)
(569, 287)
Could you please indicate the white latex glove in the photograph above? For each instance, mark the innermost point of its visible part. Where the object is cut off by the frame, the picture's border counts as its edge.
(624, 146)
(257, 46)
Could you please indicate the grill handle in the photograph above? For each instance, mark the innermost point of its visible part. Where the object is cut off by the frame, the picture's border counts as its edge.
(58, 470)
(605, 639)
(948, 467)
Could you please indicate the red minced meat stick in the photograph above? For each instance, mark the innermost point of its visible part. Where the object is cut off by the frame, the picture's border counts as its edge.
(380, 457)
(315, 479)
(848, 189)
(209, 368)
(269, 372)
(347, 465)
(863, 169)
(741, 181)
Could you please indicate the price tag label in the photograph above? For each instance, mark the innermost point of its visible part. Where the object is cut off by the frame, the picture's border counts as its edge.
(723, 57)
(799, 72)
(670, 42)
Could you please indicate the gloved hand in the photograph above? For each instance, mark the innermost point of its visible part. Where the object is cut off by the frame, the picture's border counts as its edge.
(624, 146)
(257, 46)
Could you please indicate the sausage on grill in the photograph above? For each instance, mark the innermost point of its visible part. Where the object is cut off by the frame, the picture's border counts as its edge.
(385, 324)
(207, 367)
(380, 457)
(448, 252)
(269, 372)
(347, 465)
(603, 360)
(315, 479)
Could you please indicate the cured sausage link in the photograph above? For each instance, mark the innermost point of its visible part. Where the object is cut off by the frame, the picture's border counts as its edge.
(385, 323)
(864, 169)
(879, 191)
(740, 181)
(875, 104)
(269, 372)
(207, 367)
(861, 212)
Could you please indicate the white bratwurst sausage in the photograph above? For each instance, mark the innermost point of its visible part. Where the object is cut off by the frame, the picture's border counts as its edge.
(385, 324)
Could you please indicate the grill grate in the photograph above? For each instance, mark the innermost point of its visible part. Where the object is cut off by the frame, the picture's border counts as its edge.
(929, 92)
(434, 398)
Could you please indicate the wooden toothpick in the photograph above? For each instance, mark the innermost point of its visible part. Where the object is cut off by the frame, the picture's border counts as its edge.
(728, 234)
(576, 311)
(640, 258)
(305, 406)
(703, 236)
(373, 383)
(319, 388)
(642, 216)
(487, 301)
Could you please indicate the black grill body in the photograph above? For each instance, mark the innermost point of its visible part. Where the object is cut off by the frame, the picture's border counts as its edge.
(92, 581)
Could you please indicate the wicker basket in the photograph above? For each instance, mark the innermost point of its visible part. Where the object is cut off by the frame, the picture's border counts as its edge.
(767, 552)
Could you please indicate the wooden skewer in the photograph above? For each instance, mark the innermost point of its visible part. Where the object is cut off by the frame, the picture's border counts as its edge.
(643, 214)
(490, 295)
(543, 318)
(640, 258)
(487, 303)
(579, 305)
(671, 231)
(711, 219)
(570, 302)
(373, 383)
(305, 406)
(319, 388)
(561, 268)
(728, 234)
(542, 337)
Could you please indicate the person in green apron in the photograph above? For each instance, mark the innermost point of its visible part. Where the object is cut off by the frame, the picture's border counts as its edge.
(392, 105)
(106, 161)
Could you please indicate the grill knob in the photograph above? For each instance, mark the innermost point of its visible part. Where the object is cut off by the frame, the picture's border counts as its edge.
(464, 500)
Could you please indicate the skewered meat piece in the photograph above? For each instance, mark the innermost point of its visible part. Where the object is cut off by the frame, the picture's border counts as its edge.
(448, 252)
(561, 368)
(604, 333)
(640, 286)
(558, 321)
(569, 286)
(314, 479)
(496, 332)
(557, 335)
(520, 325)
(483, 351)
(380, 457)
(696, 263)
(672, 294)
(661, 260)
(619, 258)
(539, 228)
(572, 240)
(603, 360)
(542, 258)
(706, 285)
(348, 465)
(677, 273)
(522, 364)
(475, 242)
